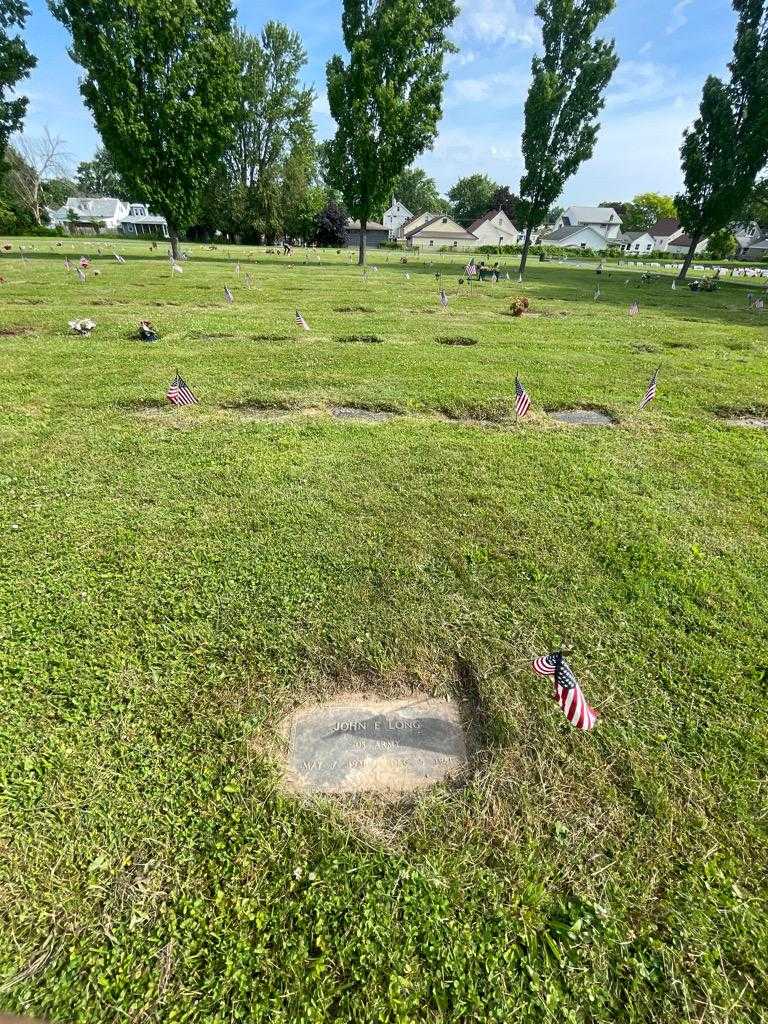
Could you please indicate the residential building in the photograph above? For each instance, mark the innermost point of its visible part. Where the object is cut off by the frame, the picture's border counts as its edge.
(494, 228)
(415, 222)
(441, 231)
(375, 234)
(639, 243)
(666, 234)
(140, 222)
(88, 216)
(579, 236)
(758, 251)
(746, 236)
(395, 217)
(603, 219)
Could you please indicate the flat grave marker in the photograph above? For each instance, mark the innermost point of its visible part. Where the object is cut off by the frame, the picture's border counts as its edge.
(362, 745)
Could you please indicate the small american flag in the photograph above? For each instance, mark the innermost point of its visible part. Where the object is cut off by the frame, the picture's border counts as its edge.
(674, 285)
(650, 394)
(228, 295)
(301, 322)
(179, 393)
(567, 691)
(237, 268)
(634, 309)
(407, 276)
(597, 293)
(470, 270)
(522, 401)
(67, 264)
(119, 258)
(176, 268)
(443, 298)
(80, 275)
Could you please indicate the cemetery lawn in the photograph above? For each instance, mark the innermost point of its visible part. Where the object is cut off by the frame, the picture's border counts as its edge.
(174, 582)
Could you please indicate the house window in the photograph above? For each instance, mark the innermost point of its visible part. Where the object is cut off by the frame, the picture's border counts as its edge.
(431, 241)
(455, 244)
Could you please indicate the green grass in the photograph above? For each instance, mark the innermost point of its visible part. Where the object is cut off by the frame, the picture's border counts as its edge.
(174, 582)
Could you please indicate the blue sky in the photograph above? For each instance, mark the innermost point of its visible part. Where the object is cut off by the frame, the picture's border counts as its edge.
(667, 48)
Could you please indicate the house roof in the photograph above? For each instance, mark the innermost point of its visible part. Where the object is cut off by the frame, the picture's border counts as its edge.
(667, 227)
(461, 233)
(594, 214)
(760, 245)
(632, 236)
(86, 208)
(559, 234)
(372, 225)
(147, 218)
(403, 208)
(682, 240)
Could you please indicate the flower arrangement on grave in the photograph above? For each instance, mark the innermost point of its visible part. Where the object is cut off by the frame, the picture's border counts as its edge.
(519, 306)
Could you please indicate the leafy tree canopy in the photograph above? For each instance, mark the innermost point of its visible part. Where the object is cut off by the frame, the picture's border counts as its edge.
(727, 145)
(564, 99)
(418, 192)
(161, 80)
(100, 177)
(471, 197)
(16, 62)
(386, 97)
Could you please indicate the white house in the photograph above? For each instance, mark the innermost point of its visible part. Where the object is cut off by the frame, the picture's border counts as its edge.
(746, 236)
(580, 236)
(395, 217)
(494, 228)
(441, 231)
(667, 234)
(757, 251)
(90, 214)
(415, 222)
(141, 222)
(639, 243)
(603, 219)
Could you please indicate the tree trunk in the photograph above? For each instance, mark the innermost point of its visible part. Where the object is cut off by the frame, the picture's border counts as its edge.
(174, 242)
(526, 247)
(361, 252)
(688, 259)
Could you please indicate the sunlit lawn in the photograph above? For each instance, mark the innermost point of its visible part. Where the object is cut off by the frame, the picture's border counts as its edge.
(174, 582)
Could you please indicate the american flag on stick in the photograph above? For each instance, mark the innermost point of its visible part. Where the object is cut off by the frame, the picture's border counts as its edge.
(300, 321)
(228, 295)
(179, 392)
(522, 401)
(443, 298)
(119, 258)
(567, 691)
(634, 309)
(470, 270)
(650, 394)
(80, 275)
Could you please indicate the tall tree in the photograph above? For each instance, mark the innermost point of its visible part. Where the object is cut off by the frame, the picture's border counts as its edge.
(471, 197)
(645, 209)
(386, 98)
(727, 145)
(99, 178)
(565, 97)
(418, 192)
(15, 63)
(40, 159)
(272, 159)
(161, 80)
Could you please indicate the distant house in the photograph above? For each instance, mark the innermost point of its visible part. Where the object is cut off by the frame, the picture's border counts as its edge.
(667, 233)
(415, 222)
(746, 236)
(441, 231)
(375, 234)
(395, 217)
(758, 251)
(602, 219)
(639, 243)
(494, 228)
(140, 222)
(580, 236)
(87, 216)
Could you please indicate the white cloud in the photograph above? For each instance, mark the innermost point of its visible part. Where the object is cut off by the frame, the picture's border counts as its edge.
(497, 21)
(678, 17)
(504, 88)
(645, 48)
